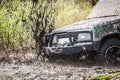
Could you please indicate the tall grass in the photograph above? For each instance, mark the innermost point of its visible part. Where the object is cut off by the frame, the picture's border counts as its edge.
(70, 11)
(12, 33)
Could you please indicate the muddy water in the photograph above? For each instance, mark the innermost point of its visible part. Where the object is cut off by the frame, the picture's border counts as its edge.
(54, 70)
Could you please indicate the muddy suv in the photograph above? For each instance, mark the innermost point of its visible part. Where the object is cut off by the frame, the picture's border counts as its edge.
(100, 33)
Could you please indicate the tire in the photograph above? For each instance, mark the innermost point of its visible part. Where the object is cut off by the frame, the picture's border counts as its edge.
(111, 50)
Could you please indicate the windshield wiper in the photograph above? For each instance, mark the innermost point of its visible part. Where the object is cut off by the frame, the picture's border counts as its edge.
(103, 16)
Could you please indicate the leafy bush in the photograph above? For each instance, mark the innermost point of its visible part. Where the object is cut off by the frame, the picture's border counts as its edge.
(41, 21)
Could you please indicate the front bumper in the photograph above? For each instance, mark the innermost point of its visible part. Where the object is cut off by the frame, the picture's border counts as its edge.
(74, 47)
(70, 49)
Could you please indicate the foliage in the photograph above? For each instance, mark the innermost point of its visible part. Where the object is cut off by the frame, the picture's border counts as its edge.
(12, 33)
(41, 20)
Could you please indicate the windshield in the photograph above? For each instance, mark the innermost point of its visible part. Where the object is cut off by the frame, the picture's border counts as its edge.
(105, 8)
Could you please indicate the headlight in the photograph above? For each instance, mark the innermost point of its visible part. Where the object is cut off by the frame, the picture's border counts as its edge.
(84, 37)
(60, 40)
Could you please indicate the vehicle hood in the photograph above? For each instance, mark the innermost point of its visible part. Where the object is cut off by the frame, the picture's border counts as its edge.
(85, 25)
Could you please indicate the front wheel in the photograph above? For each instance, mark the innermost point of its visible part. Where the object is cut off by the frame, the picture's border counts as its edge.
(111, 50)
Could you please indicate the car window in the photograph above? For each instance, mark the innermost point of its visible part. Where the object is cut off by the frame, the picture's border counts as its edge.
(105, 8)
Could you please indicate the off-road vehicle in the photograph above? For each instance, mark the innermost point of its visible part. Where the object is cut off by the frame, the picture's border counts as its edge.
(100, 32)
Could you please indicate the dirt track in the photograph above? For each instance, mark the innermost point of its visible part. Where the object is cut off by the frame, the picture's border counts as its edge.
(54, 70)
